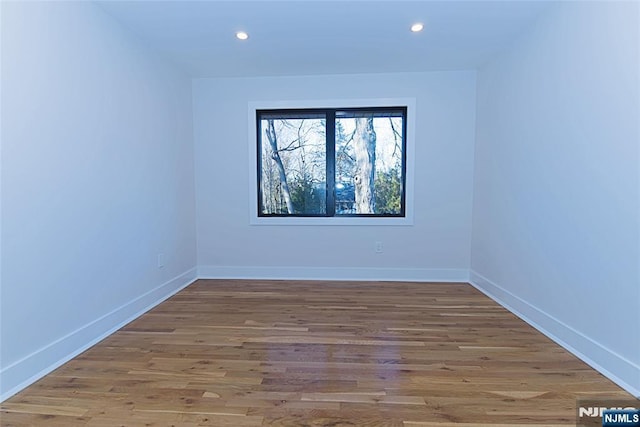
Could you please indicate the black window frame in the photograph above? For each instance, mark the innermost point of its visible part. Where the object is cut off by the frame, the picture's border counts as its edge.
(330, 115)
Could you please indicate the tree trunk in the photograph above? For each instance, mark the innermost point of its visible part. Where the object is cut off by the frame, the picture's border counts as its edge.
(364, 143)
(275, 155)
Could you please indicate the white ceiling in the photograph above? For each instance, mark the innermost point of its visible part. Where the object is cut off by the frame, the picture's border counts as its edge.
(324, 37)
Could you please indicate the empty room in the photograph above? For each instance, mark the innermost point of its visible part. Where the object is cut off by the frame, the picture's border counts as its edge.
(320, 213)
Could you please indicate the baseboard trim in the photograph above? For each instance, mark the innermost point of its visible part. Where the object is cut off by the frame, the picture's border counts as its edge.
(338, 273)
(43, 361)
(617, 368)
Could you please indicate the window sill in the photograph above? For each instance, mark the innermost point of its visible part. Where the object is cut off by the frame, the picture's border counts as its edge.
(332, 221)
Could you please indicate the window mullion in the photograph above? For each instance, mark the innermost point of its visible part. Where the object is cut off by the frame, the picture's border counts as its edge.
(331, 161)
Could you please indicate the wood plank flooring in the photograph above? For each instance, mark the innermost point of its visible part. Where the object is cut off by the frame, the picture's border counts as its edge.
(305, 353)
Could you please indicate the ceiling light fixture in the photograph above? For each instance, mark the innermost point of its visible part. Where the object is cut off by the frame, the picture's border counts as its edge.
(417, 27)
(242, 35)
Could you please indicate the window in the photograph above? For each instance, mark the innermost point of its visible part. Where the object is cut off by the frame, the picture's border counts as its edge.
(337, 162)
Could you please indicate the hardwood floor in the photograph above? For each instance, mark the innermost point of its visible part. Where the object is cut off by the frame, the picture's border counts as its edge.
(304, 353)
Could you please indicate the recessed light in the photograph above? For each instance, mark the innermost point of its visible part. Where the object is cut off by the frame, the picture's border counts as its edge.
(242, 35)
(417, 27)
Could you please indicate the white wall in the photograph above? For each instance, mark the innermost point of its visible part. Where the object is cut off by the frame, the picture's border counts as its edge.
(97, 179)
(436, 247)
(556, 213)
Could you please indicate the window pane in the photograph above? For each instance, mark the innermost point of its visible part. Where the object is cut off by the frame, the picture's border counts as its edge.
(369, 163)
(293, 165)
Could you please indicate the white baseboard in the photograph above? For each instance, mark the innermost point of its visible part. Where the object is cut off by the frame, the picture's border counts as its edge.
(31, 368)
(337, 273)
(618, 369)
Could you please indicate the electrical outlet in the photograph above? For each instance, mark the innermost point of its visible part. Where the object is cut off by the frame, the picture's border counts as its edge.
(160, 260)
(378, 247)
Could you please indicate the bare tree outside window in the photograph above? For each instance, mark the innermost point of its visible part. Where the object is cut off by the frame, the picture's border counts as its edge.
(368, 164)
